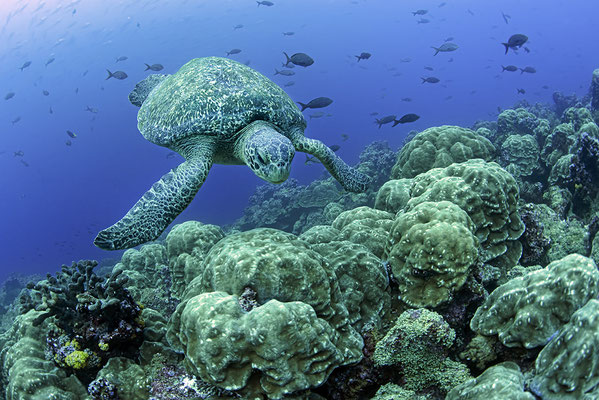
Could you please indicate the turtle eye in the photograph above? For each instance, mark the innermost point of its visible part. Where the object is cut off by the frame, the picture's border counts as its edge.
(261, 159)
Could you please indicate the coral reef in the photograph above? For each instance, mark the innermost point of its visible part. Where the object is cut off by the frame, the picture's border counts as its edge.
(292, 336)
(418, 344)
(528, 310)
(567, 367)
(488, 194)
(438, 147)
(393, 196)
(502, 381)
(595, 91)
(431, 249)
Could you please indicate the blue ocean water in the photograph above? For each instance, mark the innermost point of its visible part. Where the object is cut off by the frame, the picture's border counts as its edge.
(54, 198)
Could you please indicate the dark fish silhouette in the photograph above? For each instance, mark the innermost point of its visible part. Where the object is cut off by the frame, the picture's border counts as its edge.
(311, 160)
(14, 121)
(51, 111)
(71, 134)
(423, 21)
(265, 3)
(120, 75)
(121, 58)
(510, 68)
(91, 109)
(288, 33)
(9, 95)
(385, 120)
(25, 65)
(406, 119)
(154, 67)
(68, 142)
(344, 136)
(318, 102)
(50, 61)
(334, 147)
(284, 72)
(301, 59)
(25, 163)
(407, 99)
(45, 93)
(429, 68)
(506, 17)
(363, 56)
(521, 91)
(530, 70)
(290, 83)
(19, 153)
(515, 42)
(238, 26)
(419, 12)
(233, 51)
(430, 79)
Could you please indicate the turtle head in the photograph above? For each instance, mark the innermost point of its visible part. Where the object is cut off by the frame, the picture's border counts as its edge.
(267, 152)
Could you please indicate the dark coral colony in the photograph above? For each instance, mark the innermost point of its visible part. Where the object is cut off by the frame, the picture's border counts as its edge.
(467, 270)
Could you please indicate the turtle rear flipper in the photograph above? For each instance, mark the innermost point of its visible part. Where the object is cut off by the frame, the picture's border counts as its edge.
(143, 88)
(350, 178)
(158, 207)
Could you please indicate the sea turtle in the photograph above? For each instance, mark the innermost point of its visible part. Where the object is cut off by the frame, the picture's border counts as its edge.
(215, 110)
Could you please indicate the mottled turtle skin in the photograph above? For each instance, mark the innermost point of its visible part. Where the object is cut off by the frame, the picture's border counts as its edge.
(215, 110)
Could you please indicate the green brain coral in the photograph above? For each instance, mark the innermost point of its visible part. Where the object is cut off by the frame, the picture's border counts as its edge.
(488, 194)
(527, 310)
(500, 382)
(521, 154)
(366, 226)
(438, 147)
(267, 306)
(567, 367)
(393, 195)
(431, 250)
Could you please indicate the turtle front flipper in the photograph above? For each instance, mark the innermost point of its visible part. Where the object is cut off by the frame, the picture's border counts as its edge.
(350, 178)
(157, 208)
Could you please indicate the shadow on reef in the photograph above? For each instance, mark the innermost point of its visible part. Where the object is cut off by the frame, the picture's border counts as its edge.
(468, 271)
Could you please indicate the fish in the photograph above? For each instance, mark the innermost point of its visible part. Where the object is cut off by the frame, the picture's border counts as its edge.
(19, 153)
(530, 70)
(545, 86)
(406, 99)
(265, 3)
(385, 120)
(334, 147)
(372, 114)
(441, 5)
(290, 33)
(238, 26)
(233, 51)
(510, 68)
(406, 119)
(50, 61)
(68, 142)
(448, 97)
(284, 72)
(430, 79)
(91, 109)
(521, 91)
(363, 56)
(429, 68)
(51, 111)
(311, 160)
(423, 21)
(71, 134)
(445, 48)
(154, 67)
(121, 58)
(170, 155)
(405, 60)
(25, 163)
(301, 59)
(506, 17)
(45, 93)
(318, 102)
(449, 39)
(515, 42)
(14, 121)
(290, 83)
(344, 136)
(319, 114)
(9, 95)
(25, 65)
(526, 49)
(120, 75)
(469, 11)
(77, 89)
(284, 65)
(419, 12)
